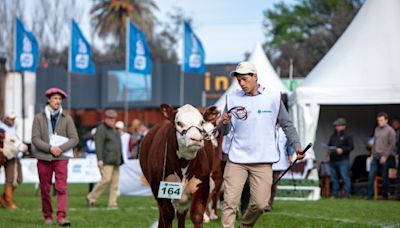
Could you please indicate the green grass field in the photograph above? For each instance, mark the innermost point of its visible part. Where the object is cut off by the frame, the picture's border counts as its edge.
(142, 212)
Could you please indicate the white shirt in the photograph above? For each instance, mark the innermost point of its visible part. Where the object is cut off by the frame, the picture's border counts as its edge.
(283, 162)
(254, 139)
(125, 145)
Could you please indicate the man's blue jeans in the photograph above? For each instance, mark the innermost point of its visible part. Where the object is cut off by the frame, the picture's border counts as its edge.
(372, 174)
(340, 168)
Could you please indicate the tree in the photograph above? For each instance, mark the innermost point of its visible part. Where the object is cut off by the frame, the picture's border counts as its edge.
(109, 19)
(305, 31)
(51, 26)
(9, 9)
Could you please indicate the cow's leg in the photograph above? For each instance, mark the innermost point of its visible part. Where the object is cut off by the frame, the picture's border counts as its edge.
(214, 206)
(215, 195)
(166, 213)
(181, 218)
(199, 204)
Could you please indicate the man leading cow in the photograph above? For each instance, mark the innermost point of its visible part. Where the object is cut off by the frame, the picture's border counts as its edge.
(253, 147)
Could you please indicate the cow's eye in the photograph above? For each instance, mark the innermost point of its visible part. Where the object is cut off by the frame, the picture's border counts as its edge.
(202, 122)
(180, 124)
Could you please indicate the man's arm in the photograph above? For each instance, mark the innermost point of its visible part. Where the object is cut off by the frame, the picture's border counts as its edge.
(392, 142)
(37, 140)
(288, 127)
(349, 145)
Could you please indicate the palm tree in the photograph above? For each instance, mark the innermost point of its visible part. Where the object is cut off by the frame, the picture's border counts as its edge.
(109, 18)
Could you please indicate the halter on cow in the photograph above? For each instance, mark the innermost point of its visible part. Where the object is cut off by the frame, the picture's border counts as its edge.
(177, 149)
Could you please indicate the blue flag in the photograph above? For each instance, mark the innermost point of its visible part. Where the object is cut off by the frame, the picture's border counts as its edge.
(138, 56)
(80, 57)
(194, 55)
(26, 49)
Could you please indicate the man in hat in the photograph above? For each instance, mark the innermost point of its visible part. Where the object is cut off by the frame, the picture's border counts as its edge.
(109, 157)
(252, 150)
(53, 134)
(339, 147)
(12, 166)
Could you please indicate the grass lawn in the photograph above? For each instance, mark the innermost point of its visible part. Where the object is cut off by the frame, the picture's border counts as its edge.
(142, 212)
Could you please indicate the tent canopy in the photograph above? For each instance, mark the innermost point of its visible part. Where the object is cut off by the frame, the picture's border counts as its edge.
(267, 76)
(360, 69)
(363, 66)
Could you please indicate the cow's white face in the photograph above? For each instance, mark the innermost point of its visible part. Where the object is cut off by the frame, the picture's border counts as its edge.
(189, 126)
(12, 145)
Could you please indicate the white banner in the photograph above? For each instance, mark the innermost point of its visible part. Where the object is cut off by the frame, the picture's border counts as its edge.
(132, 181)
(80, 170)
(85, 170)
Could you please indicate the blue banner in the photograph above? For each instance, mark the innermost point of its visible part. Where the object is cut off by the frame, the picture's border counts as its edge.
(194, 55)
(26, 49)
(80, 61)
(138, 51)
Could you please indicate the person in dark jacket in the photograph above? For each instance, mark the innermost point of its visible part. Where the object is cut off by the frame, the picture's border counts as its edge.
(339, 147)
(109, 157)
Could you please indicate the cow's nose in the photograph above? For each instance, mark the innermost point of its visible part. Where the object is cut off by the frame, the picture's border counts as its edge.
(196, 139)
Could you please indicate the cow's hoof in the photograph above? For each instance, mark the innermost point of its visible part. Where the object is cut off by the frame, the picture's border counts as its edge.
(206, 219)
(213, 216)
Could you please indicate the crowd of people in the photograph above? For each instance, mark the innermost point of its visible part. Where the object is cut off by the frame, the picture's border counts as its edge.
(385, 153)
(54, 135)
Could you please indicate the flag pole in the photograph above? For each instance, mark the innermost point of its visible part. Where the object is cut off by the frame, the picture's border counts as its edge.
(182, 82)
(22, 83)
(23, 104)
(69, 72)
(127, 47)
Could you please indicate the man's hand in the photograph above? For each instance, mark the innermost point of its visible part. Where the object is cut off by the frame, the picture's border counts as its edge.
(299, 154)
(56, 151)
(289, 159)
(100, 164)
(339, 150)
(382, 160)
(226, 118)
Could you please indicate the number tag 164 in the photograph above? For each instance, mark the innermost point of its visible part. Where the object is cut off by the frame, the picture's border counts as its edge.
(170, 190)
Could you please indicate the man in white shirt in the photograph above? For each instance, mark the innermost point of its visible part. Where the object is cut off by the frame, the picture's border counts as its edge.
(253, 146)
(12, 167)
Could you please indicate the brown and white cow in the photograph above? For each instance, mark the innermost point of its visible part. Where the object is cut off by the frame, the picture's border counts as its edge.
(178, 142)
(215, 134)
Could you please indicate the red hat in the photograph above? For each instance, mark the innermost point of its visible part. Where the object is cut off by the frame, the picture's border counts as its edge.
(52, 91)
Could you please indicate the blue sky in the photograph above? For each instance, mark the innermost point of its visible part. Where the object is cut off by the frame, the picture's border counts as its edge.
(227, 28)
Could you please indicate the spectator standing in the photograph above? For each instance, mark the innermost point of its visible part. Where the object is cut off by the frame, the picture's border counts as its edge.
(135, 139)
(50, 127)
(384, 143)
(339, 147)
(109, 157)
(12, 167)
(90, 151)
(125, 139)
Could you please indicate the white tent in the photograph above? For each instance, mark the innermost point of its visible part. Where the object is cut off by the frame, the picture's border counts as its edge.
(359, 77)
(266, 75)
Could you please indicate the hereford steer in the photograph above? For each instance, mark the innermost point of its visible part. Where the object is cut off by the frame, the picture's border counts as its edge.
(176, 150)
(215, 134)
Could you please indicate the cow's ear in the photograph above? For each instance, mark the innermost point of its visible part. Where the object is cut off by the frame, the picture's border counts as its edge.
(168, 112)
(211, 114)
